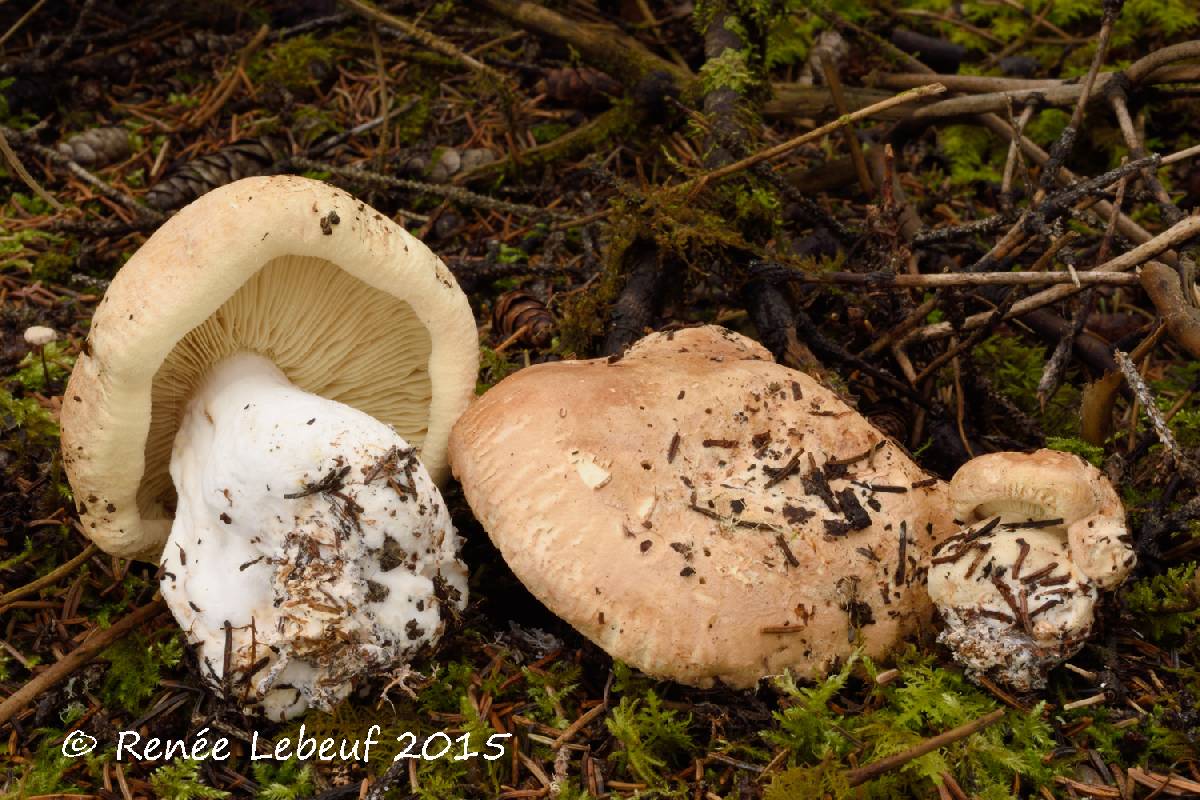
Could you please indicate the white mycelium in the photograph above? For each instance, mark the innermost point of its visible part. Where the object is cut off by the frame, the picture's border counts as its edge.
(309, 548)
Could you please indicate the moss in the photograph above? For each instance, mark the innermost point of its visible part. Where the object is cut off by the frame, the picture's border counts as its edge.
(582, 318)
(973, 153)
(53, 266)
(1015, 368)
(32, 424)
(547, 688)
(730, 70)
(47, 774)
(294, 64)
(548, 131)
(180, 780)
(35, 375)
(926, 701)
(135, 667)
(493, 368)
(311, 124)
(1088, 452)
(652, 738)
(410, 126)
(1165, 605)
(286, 780)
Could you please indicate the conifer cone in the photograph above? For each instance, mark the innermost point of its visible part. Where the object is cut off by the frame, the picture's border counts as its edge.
(187, 181)
(519, 309)
(97, 147)
(582, 87)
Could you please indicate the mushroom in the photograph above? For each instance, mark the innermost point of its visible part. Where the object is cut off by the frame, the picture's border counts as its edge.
(37, 337)
(701, 512)
(256, 387)
(1016, 588)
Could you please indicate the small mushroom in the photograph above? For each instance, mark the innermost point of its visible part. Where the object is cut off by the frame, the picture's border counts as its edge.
(259, 381)
(1016, 587)
(1051, 485)
(37, 337)
(701, 512)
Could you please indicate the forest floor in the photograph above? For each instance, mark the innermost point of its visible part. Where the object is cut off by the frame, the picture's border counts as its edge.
(540, 150)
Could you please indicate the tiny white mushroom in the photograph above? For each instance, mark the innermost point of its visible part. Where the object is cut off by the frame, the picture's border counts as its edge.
(40, 335)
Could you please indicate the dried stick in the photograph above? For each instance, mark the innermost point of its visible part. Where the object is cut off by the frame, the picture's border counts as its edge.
(1155, 246)
(607, 46)
(455, 193)
(100, 185)
(229, 83)
(49, 578)
(16, 166)
(432, 41)
(1142, 392)
(829, 69)
(885, 280)
(16, 26)
(1014, 155)
(786, 147)
(1056, 368)
(60, 670)
(1182, 319)
(859, 776)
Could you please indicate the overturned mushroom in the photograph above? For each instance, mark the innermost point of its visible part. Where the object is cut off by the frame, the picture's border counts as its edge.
(287, 353)
(700, 511)
(1016, 588)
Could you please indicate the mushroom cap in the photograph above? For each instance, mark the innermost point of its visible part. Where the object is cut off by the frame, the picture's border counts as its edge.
(649, 502)
(342, 299)
(1046, 485)
(40, 335)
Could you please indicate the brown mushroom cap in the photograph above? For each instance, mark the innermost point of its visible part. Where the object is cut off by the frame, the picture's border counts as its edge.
(666, 504)
(1048, 485)
(342, 299)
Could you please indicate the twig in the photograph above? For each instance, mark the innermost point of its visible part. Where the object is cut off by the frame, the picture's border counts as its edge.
(1142, 392)
(1056, 368)
(578, 725)
(851, 138)
(430, 40)
(607, 46)
(228, 83)
(100, 185)
(1173, 236)
(384, 98)
(16, 26)
(49, 578)
(1165, 290)
(15, 164)
(884, 280)
(859, 776)
(786, 147)
(455, 193)
(85, 652)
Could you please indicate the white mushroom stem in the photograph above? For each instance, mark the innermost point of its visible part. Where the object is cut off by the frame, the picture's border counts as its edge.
(1012, 601)
(307, 539)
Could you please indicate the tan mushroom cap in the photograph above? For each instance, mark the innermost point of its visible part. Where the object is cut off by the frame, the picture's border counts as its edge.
(642, 501)
(342, 299)
(1044, 485)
